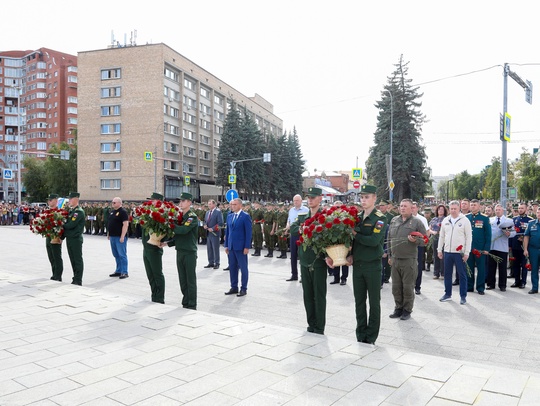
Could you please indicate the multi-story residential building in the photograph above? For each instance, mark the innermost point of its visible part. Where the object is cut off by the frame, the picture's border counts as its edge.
(139, 103)
(38, 106)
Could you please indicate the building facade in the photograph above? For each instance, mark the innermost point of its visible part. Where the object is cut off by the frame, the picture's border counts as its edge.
(150, 119)
(38, 107)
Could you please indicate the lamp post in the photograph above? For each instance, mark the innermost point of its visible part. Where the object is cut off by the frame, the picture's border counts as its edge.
(19, 184)
(155, 154)
(390, 176)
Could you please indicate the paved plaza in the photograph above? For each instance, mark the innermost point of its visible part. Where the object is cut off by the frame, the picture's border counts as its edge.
(106, 343)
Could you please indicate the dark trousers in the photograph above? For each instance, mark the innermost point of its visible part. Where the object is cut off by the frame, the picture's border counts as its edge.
(386, 270)
(186, 262)
(314, 287)
(343, 270)
(54, 252)
(480, 265)
(294, 256)
(366, 283)
(494, 265)
(152, 258)
(74, 248)
(212, 248)
(451, 259)
(518, 267)
(421, 266)
(238, 261)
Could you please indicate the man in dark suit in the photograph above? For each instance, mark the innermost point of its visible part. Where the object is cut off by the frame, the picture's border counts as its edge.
(213, 222)
(237, 244)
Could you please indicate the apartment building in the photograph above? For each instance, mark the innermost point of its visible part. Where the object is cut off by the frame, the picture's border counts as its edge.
(150, 119)
(38, 107)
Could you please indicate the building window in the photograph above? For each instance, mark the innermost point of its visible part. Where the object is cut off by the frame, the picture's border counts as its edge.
(218, 99)
(174, 112)
(204, 155)
(190, 103)
(205, 92)
(189, 151)
(110, 128)
(219, 115)
(110, 147)
(72, 79)
(42, 146)
(190, 118)
(107, 92)
(110, 166)
(205, 139)
(171, 74)
(110, 110)
(189, 168)
(174, 130)
(110, 74)
(205, 109)
(110, 183)
(205, 170)
(72, 110)
(189, 84)
(72, 99)
(190, 135)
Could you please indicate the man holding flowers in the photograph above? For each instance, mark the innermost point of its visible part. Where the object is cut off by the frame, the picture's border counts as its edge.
(367, 251)
(186, 234)
(312, 267)
(54, 245)
(403, 257)
(481, 241)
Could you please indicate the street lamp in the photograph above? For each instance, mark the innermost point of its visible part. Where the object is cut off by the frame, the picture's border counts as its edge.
(155, 154)
(19, 187)
(390, 176)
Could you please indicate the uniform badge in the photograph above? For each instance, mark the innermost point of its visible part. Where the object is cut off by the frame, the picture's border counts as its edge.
(117, 213)
(378, 226)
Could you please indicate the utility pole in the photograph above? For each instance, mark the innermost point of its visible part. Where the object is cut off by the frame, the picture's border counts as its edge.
(505, 126)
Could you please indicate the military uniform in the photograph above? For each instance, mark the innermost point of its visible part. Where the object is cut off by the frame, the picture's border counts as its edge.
(518, 264)
(367, 251)
(532, 234)
(185, 241)
(73, 233)
(269, 219)
(313, 272)
(281, 219)
(481, 240)
(153, 264)
(54, 252)
(257, 218)
(386, 271)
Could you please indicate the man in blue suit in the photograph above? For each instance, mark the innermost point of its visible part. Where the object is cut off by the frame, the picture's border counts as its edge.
(237, 244)
(213, 223)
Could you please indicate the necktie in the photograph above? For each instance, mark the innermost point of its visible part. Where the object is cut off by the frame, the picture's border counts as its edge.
(498, 220)
(234, 218)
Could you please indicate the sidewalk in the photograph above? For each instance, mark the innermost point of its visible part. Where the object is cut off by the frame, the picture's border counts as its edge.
(106, 343)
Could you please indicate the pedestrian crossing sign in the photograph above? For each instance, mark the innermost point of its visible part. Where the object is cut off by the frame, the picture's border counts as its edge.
(187, 180)
(232, 179)
(357, 173)
(7, 174)
(148, 156)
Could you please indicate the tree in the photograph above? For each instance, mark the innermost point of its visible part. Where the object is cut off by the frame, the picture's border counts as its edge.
(62, 174)
(409, 157)
(492, 186)
(231, 147)
(527, 172)
(467, 186)
(34, 179)
(297, 163)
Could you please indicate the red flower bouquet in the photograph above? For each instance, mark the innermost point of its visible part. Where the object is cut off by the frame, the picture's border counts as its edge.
(158, 219)
(329, 228)
(50, 224)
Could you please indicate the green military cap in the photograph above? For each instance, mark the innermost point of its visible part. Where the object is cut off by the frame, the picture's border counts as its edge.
(314, 191)
(385, 201)
(52, 196)
(535, 203)
(186, 196)
(280, 204)
(515, 205)
(368, 189)
(427, 210)
(155, 196)
(74, 194)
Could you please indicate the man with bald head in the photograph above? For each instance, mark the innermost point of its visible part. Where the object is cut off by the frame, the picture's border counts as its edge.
(294, 211)
(117, 228)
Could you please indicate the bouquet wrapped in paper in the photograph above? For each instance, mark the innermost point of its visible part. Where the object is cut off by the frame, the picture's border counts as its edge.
(50, 224)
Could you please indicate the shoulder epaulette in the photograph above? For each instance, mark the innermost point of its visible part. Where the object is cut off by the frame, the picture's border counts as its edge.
(379, 213)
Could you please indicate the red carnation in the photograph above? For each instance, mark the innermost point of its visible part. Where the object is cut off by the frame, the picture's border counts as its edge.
(298, 243)
(328, 225)
(426, 239)
(459, 248)
(318, 229)
(322, 219)
(528, 266)
(337, 220)
(141, 222)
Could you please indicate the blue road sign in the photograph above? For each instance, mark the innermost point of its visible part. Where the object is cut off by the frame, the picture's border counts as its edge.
(7, 174)
(231, 194)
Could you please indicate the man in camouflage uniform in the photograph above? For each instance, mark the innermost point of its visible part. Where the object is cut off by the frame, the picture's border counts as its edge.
(257, 217)
(281, 224)
(269, 230)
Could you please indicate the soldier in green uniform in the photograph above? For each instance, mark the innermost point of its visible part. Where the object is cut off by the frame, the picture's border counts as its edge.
(257, 217)
(269, 229)
(384, 208)
(185, 241)
(312, 270)
(367, 252)
(428, 214)
(152, 258)
(54, 250)
(73, 233)
(106, 211)
(87, 222)
(282, 216)
(98, 223)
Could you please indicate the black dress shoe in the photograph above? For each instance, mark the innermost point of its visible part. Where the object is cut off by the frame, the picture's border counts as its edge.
(115, 274)
(532, 292)
(481, 293)
(291, 279)
(242, 293)
(216, 266)
(226, 269)
(417, 291)
(209, 266)
(232, 292)
(490, 287)
(522, 286)
(123, 276)
(455, 283)
(397, 314)
(503, 289)
(470, 290)
(343, 283)
(515, 285)
(334, 282)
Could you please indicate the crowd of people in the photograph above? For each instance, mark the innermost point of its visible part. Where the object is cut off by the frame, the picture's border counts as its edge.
(390, 243)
